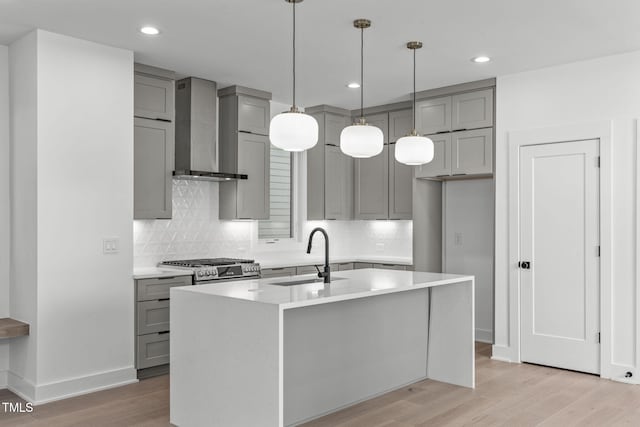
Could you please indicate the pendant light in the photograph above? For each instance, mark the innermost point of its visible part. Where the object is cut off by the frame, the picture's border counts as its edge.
(361, 140)
(414, 149)
(293, 130)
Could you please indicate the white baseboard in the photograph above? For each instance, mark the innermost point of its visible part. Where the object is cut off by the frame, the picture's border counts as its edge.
(45, 393)
(484, 335)
(501, 353)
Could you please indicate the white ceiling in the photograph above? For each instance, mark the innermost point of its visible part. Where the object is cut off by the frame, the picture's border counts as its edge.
(247, 42)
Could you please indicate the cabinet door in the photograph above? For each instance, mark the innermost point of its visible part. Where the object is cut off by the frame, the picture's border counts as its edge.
(159, 287)
(254, 161)
(345, 266)
(472, 110)
(400, 124)
(253, 115)
(338, 184)
(372, 186)
(433, 115)
(315, 182)
(381, 121)
(440, 166)
(153, 97)
(400, 187)
(153, 316)
(267, 273)
(333, 125)
(153, 143)
(361, 265)
(152, 350)
(472, 152)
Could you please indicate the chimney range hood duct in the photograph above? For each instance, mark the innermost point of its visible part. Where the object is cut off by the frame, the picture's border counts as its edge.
(196, 156)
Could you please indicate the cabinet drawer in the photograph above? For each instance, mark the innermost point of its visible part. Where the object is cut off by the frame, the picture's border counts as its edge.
(344, 266)
(360, 265)
(155, 289)
(153, 316)
(390, 266)
(277, 272)
(306, 269)
(152, 350)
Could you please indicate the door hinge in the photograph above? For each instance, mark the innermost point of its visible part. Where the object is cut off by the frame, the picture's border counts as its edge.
(598, 337)
(598, 250)
(598, 161)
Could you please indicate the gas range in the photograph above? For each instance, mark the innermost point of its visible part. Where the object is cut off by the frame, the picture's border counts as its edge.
(213, 269)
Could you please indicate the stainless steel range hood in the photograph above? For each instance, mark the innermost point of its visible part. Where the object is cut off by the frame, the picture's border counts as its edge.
(196, 132)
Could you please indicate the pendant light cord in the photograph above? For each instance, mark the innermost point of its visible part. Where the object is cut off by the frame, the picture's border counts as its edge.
(414, 89)
(362, 73)
(294, 54)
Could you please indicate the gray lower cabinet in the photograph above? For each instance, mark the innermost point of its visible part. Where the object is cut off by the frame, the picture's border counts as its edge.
(153, 167)
(400, 187)
(267, 273)
(344, 266)
(248, 198)
(153, 323)
(390, 266)
(361, 265)
(372, 186)
(152, 350)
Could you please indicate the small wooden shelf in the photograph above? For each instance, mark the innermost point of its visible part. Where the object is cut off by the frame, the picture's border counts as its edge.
(10, 328)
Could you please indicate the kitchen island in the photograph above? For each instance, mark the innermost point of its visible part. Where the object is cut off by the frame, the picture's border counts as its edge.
(255, 353)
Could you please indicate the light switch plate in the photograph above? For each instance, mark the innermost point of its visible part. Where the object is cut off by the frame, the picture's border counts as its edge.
(110, 245)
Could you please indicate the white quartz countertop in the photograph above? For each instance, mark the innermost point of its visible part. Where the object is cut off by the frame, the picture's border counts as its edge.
(345, 285)
(304, 259)
(156, 272)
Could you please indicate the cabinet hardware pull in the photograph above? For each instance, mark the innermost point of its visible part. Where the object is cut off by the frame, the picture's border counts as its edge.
(167, 278)
(459, 130)
(163, 299)
(163, 332)
(459, 174)
(440, 176)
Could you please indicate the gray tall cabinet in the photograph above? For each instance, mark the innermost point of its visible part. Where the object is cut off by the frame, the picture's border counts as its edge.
(244, 148)
(153, 142)
(329, 171)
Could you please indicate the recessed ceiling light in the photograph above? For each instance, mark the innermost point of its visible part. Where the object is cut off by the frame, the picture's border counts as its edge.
(353, 85)
(481, 59)
(150, 31)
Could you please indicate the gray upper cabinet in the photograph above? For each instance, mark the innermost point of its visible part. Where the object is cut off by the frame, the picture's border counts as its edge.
(329, 171)
(433, 115)
(247, 198)
(400, 124)
(381, 121)
(338, 175)
(254, 115)
(472, 152)
(440, 166)
(153, 142)
(372, 186)
(153, 153)
(400, 187)
(472, 110)
(244, 148)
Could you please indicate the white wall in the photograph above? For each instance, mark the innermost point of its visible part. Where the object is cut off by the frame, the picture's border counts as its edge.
(590, 91)
(84, 192)
(4, 205)
(468, 242)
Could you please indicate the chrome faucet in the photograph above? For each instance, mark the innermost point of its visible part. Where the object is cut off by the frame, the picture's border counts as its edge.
(326, 274)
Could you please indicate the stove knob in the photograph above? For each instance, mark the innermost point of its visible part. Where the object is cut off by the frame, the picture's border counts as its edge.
(199, 274)
(214, 272)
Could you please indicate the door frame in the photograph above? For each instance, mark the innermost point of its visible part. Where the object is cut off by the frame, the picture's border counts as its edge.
(577, 132)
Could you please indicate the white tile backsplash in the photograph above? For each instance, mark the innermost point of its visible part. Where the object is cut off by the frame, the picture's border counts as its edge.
(195, 231)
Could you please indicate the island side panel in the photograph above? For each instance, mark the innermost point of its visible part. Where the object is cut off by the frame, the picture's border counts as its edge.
(452, 334)
(341, 353)
(226, 362)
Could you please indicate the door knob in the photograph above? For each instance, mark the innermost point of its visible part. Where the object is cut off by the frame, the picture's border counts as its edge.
(525, 265)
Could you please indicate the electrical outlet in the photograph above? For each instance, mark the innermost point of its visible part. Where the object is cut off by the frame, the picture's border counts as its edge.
(110, 245)
(379, 247)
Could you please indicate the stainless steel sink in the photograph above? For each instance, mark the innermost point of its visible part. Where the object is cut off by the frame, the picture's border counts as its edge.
(303, 281)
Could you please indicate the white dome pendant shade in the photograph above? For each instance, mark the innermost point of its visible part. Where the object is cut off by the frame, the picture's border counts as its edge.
(414, 149)
(361, 140)
(293, 130)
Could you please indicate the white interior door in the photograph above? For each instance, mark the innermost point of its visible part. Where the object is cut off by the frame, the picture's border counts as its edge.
(559, 237)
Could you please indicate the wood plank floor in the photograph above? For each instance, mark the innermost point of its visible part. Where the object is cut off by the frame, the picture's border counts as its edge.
(505, 395)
